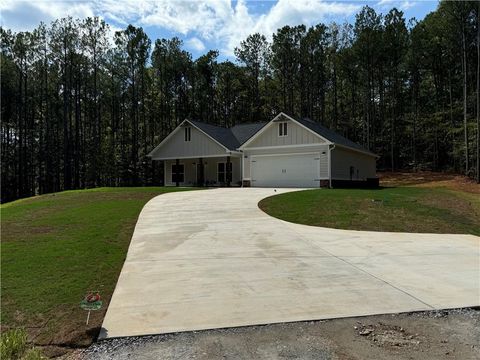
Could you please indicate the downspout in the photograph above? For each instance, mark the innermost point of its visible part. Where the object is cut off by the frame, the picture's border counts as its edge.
(330, 148)
(243, 169)
(164, 172)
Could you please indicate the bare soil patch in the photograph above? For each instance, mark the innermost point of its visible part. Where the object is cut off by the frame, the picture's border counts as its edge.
(429, 179)
(452, 334)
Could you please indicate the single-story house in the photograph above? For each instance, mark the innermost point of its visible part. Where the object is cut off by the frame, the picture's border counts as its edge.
(284, 152)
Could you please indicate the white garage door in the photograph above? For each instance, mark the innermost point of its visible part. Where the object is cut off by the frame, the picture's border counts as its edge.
(300, 170)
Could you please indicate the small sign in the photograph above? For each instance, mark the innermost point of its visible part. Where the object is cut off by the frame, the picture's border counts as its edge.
(92, 301)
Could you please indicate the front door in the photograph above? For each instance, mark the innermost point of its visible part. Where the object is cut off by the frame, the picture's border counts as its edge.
(200, 173)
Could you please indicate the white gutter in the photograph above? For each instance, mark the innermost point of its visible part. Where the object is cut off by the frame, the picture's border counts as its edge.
(365, 152)
(243, 169)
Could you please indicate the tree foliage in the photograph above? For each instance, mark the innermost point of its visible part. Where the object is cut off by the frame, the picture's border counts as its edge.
(80, 109)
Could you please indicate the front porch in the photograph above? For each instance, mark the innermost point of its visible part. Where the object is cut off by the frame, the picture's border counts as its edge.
(206, 171)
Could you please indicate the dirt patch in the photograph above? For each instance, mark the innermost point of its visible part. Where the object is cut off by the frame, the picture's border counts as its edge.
(460, 206)
(19, 233)
(429, 179)
(387, 335)
(452, 334)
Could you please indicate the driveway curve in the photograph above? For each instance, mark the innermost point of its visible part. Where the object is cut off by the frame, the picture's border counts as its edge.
(212, 259)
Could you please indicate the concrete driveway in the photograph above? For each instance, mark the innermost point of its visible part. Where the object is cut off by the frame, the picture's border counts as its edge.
(212, 259)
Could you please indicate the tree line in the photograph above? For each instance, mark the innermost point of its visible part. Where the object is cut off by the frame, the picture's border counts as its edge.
(80, 109)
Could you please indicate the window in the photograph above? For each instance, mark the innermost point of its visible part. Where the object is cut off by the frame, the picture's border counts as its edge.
(224, 173)
(188, 133)
(221, 172)
(282, 129)
(180, 169)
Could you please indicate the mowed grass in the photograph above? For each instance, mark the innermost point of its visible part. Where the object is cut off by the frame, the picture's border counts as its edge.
(398, 209)
(55, 248)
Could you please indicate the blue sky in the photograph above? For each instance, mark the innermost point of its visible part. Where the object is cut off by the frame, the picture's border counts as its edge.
(202, 25)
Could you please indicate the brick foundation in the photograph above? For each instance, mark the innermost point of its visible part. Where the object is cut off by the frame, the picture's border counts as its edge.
(324, 183)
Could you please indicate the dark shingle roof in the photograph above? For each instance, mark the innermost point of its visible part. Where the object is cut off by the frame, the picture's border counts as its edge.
(331, 135)
(243, 132)
(223, 135)
(232, 138)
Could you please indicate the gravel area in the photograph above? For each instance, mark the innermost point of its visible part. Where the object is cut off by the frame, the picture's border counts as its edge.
(450, 334)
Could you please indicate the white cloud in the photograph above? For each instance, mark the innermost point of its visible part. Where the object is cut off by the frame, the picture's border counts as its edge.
(185, 16)
(21, 15)
(308, 12)
(195, 44)
(219, 22)
(399, 4)
(226, 25)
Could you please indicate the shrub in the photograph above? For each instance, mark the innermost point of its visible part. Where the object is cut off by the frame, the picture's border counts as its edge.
(13, 344)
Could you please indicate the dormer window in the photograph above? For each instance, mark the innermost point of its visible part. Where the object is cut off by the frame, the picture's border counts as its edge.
(283, 129)
(188, 133)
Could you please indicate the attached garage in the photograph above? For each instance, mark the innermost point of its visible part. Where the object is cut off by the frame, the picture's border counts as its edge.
(290, 170)
(289, 152)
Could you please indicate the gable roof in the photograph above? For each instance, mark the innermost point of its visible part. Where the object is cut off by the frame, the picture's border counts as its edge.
(320, 130)
(232, 137)
(331, 135)
(223, 135)
(243, 132)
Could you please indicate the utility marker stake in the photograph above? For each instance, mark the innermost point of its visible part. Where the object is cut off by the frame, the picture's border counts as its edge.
(92, 301)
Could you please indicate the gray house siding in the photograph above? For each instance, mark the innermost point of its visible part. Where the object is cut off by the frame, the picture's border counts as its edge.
(296, 135)
(200, 145)
(364, 166)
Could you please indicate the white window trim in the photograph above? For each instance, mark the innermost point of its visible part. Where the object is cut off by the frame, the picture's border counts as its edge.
(284, 126)
(172, 173)
(187, 134)
(225, 170)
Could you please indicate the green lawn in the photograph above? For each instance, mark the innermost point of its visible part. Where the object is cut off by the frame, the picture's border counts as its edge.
(400, 209)
(55, 248)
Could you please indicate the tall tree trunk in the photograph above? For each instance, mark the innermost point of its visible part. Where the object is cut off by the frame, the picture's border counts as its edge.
(465, 124)
(65, 122)
(335, 95)
(415, 117)
(392, 127)
(478, 93)
(76, 159)
(452, 123)
(96, 167)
